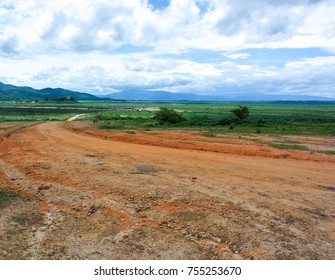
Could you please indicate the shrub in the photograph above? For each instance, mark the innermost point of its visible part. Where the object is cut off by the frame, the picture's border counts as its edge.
(225, 121)
(168, 116)
(241, 112)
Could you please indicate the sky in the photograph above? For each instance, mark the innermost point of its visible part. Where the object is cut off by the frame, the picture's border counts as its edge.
(213, 47)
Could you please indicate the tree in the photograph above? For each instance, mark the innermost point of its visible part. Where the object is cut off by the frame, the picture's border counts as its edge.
(168, 116)
(241, 112)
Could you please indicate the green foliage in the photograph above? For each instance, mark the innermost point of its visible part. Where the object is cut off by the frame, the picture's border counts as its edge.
(61, 99)
(39, 114)
(6, 196)
(241, 112)
(288, 146)
(168, 116)
(317, 118)
(209, 133)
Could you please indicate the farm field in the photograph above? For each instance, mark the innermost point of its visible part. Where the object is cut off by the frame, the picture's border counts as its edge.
(130, 187)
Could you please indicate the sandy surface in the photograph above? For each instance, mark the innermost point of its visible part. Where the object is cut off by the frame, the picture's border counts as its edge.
(82, 193)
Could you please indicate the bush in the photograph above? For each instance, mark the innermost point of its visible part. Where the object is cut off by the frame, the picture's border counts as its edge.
(168, 116)
(225, 121)
(241, 112)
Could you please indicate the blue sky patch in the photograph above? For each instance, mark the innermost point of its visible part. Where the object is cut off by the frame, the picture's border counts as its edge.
(159, 4)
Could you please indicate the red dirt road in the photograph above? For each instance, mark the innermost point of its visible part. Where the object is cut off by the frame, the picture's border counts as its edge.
(88, 194)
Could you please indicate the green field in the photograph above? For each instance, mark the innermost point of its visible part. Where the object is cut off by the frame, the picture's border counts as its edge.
(301, 118)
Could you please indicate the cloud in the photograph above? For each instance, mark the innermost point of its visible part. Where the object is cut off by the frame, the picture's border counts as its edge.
(102, 74)
(101, 46)
(35, 26)
(238, 55)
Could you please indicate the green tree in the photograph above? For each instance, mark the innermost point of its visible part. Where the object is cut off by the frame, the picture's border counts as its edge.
(168, 116)
(241, 112)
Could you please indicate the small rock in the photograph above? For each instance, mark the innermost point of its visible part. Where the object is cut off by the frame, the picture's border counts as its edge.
(217, 240)
(234, 249)
(33, 229)
(202, 234)
(43, 187)
(92, 209)
(44, 228)
(81, 197)
(14, 178)
(194, 178)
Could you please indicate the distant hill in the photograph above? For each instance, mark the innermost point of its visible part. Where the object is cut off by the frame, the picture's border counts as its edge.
(10, 92)
(153, 95)
(135, 94)
(58, 92)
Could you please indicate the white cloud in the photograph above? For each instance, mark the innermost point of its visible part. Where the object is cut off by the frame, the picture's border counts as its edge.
(238, 55)
(31, 26)
(76, 44)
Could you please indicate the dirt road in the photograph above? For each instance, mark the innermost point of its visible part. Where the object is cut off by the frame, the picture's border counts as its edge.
(81, 194)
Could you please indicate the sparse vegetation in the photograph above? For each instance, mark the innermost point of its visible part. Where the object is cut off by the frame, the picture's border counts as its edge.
(169, 116)
(283, 118)
(62, 99)
(209, 133)
(241, 112)
(6, 196)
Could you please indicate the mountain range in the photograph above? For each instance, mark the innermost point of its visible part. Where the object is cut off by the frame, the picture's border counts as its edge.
(11, 92)
(136, 94)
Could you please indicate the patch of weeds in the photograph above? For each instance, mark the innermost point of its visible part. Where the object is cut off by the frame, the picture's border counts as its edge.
(94, 156)
(142, 169)
(208, 134)
(26, 219)
(290, 220)
(6, 196)
(328, 188)
(130, 132)
(288, 146)
(326, 152)
(259, 141)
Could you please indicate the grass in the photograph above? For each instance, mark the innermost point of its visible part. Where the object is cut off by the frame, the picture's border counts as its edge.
(288, 147)
(26, 219)
(6, 196)
(278, 118)
(10, 114)
(208, 133)
(326, 152)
